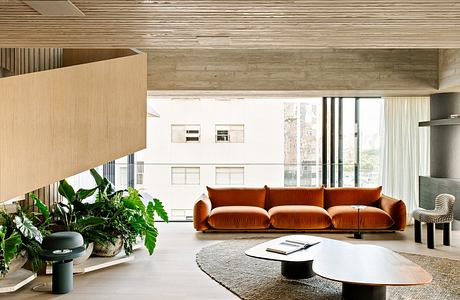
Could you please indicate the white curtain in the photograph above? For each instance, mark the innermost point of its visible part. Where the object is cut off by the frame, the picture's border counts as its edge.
(405, 148)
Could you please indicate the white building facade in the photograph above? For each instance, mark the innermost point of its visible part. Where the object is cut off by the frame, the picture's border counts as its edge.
(196, 143)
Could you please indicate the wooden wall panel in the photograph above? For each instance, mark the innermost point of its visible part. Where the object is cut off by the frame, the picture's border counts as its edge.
(81, 56)
(382, 71)
(449, 70)
(16, 61)
(61, 122)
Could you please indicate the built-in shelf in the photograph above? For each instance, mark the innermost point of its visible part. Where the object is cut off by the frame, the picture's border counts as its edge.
(14, 281)
(440, 122)
(96, 263)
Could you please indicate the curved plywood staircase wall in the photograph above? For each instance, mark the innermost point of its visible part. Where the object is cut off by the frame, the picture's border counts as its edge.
(59, 122)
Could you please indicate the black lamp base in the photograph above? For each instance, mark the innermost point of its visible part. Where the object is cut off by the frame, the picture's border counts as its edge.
(62, 277)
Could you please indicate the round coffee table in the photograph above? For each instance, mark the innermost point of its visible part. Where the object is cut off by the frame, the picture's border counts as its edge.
(366, 270)
(296, 265)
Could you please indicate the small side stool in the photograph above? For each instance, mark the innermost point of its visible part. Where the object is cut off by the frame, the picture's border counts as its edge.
(442, 213)
(61, 248)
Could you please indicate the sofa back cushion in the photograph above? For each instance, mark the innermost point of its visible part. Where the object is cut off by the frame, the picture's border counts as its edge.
(294, 196)
(236, 197)
(352, 196)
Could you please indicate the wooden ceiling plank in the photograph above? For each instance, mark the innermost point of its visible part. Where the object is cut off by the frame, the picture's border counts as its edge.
(239, 24)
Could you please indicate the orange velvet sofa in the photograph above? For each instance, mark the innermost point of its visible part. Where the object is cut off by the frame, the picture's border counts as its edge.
(297, 209)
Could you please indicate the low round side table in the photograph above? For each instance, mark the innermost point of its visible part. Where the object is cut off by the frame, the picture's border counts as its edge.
(61, 248)
(358, 235)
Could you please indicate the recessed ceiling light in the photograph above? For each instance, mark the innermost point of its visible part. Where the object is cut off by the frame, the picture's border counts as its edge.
(55, 8)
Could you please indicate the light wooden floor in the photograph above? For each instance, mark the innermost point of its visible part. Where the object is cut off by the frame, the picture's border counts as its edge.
(171, 273)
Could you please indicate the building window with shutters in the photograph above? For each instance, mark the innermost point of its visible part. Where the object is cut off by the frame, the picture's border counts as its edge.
(185, 133)
(185, 175)
(140, 172)
(122, 180)
(229, 133)
(229, 175)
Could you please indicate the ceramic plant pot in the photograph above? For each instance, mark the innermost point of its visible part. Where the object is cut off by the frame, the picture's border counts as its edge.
(108, 249)
(88, 252)
(18, 261)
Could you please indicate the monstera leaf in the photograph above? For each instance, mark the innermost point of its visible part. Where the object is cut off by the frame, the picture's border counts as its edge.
(27, 228)
(8, 248)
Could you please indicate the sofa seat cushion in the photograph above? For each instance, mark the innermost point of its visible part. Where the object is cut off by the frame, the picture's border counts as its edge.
(299, 217)
(346, 217)
(236, 196)
(239, 217)
(294, 196)
(352, 196)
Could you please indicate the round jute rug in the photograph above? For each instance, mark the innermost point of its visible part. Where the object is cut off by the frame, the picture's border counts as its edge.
(257, 279)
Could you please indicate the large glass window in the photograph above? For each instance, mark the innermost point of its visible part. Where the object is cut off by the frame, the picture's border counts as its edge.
(310, 142)
(370, 110)
(354, 139)
(194, 143)
(302, 142)
(347, 153)
(290, 143)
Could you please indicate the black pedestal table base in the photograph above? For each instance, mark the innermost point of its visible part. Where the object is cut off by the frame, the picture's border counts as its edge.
(363, 292)
(297, 270)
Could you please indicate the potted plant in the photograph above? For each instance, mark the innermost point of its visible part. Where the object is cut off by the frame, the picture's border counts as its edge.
(127, 218)
(10, 254)
(21, 234)
(114, 221)
(73, 215)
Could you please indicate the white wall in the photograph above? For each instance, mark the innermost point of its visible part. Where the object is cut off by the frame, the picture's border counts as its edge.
(261, 154)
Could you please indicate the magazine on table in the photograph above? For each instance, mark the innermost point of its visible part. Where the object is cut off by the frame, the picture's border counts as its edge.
(289, 246)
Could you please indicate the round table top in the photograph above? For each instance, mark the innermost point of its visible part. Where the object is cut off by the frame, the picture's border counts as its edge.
(309, 254)
(62, 245)
(62, 240)
(368, 265)
(55, 255)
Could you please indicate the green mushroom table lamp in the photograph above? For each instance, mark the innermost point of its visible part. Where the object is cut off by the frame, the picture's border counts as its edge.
(61, 248)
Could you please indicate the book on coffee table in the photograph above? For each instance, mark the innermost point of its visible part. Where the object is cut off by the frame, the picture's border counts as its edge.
(290, 246)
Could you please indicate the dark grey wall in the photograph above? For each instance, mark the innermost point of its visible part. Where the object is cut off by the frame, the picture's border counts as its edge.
(431, 187)
(445, 140)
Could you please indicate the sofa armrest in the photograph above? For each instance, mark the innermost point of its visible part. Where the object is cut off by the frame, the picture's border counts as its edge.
(396, 209)
(201, 211)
